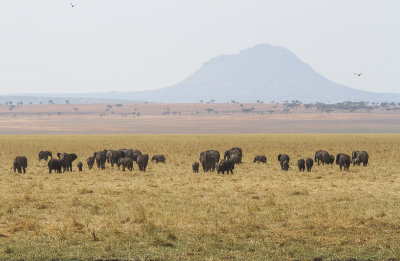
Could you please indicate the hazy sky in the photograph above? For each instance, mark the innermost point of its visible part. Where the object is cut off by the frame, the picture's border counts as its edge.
(123, 45)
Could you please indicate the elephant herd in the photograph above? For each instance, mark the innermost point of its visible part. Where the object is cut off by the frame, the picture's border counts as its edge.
(121, 158)
(210, 160)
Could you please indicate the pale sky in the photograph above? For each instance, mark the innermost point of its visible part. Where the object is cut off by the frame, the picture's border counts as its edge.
(126, 45)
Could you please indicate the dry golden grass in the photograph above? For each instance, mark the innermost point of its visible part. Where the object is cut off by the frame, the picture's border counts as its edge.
(258, 213)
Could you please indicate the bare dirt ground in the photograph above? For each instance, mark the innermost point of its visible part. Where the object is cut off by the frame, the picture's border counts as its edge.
(189, 119)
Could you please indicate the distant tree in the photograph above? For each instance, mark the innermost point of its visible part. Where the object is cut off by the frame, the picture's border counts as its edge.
(76, 109)
(67, 101)
(209, 110)
(118, 105)
(50, 102)
(201, 101)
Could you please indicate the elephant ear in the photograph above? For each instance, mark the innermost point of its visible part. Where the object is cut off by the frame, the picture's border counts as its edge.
(279, 157)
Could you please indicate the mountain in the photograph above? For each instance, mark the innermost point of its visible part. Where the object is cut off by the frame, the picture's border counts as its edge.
(263, 72)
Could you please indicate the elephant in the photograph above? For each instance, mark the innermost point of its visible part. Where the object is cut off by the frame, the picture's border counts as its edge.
(260, 158)
(114, 157)
(101, 157)
(282, 158)
(235, 158)
(362, 156)
(55, 164)
(215, 154)
(133, 154)
(301, 163)
(195, 167)
(20, 163)
(356, 161)
(309, 164)
(125, 163)
(108, 155)
(285, 165)
(237, 150)
(208, 160)
(158, 158)
(331, 159)
(90, 162)
(45, 155)
(80, 166)
(142, 161)
(225, 165)
(323, 156)
(67, 159)
(343, 160)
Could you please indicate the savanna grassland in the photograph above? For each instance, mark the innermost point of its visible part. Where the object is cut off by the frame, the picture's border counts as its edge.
(258, 213)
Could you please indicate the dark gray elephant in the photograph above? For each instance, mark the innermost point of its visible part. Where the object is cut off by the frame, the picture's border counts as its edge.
(55, 164)
(20, 163)
(322, 156)
(108, 155)
(90, 162)
(158, 158)
(101, 158)
(126, 163)
(285, 165)
(225, 165)
(235, 158)
(235, 150)
(362, 157)
(142, 162)
(301, 163)
(215, 154)
(331, 159)
(80, 166)
(44, 155)
(133, 154)
(195, 167)
(282, 158)
(309, 164)
(260, 158)
(115, 156)
(343, 160)
(67, 159)
(207, 160)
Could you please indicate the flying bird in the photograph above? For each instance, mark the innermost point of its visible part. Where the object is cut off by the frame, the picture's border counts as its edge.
(358, 74)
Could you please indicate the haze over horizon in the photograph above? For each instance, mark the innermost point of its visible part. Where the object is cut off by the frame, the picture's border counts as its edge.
(99, 46)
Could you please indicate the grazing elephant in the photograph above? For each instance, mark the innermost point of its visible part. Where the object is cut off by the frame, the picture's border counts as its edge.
(235, 150)
(362, 156)
(45, 155)
(309, 164)
(115, 156)
(80, 166)
(90, 162)
(323, 156)
(331, 159)
(158, 158)
(195, 167)
(260, 158)
(282, 158)
(356, 161)
(67, 159)
(101, 157)
(20, 163)
(208, 160)
(343, 160)
(133, 154)
(142, 161)
(285, 165)
(301, 163)
(225, 165)
(55, 164)
(125, 163)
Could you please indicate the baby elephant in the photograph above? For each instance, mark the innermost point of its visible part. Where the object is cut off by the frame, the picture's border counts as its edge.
(20, 162)
(195, 167)
(225, 165)
(301, 164)
(309, 164)
(80, 166)
(260, 158)
(158, 158)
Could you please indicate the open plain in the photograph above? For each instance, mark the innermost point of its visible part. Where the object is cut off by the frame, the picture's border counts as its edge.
(258, 213)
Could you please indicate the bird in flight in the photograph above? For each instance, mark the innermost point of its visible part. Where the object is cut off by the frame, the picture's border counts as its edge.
(358, 74)
(72, 5)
